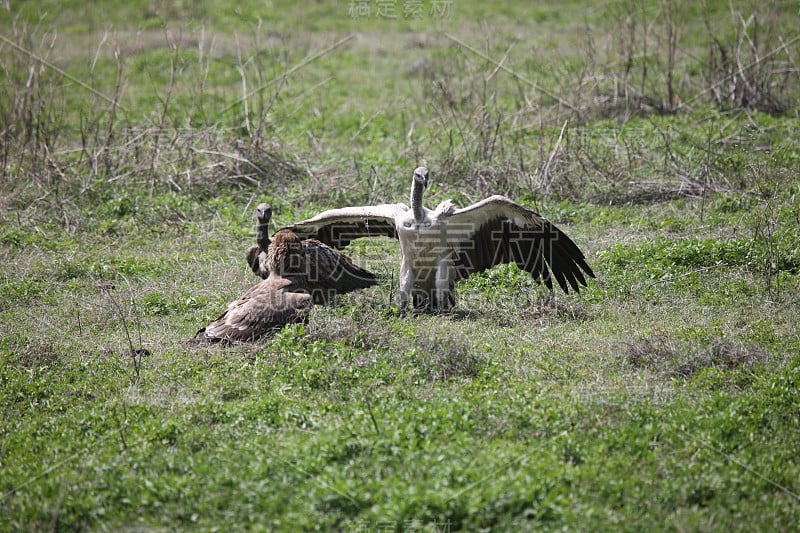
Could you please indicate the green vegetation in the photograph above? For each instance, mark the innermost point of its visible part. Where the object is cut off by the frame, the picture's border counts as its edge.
(137, 138)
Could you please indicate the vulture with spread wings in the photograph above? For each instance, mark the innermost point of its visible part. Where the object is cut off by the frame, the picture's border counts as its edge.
(442, 246)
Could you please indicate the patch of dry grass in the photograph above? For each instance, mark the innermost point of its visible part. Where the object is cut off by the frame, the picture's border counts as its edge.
(669, 358)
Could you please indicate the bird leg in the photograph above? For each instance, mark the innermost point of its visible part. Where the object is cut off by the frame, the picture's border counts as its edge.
(404, 287)
(443, 299)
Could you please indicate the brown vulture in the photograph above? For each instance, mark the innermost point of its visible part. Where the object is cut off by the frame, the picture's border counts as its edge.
(301, 273)
(257, 255)
(328, 272)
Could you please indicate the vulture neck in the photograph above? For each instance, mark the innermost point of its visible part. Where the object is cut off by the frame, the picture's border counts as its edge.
(262, 234)
(416, 202)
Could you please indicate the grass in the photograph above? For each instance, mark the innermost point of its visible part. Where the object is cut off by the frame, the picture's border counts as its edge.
(660, 135)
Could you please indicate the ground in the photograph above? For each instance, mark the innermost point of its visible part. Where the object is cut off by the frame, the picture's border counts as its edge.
(137, 139)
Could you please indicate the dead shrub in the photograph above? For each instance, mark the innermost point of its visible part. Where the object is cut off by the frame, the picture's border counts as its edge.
(445, 358)
(753, 68)
(668, 359)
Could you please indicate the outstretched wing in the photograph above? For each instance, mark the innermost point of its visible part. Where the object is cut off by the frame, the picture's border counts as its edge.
(262, 310)
(497, 230)
(339, 227)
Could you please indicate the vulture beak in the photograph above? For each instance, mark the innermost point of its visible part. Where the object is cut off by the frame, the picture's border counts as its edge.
(264, 211)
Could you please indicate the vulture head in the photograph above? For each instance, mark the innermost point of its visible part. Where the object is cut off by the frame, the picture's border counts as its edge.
(264, 213)
(421, 177)
(286, 255)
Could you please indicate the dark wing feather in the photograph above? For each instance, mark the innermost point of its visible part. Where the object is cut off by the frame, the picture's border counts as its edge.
(263, 310)
(331, 272)
(497, 230)
(252, 258)
(257, 259)
(339, 227)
